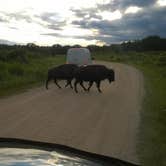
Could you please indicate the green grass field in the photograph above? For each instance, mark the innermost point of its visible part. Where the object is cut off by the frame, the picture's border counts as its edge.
(151, 146)
(16, 76)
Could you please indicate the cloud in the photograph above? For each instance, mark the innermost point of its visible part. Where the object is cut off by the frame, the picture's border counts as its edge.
(19, 16)
(2, 41)
(46, 19)
(13, 28)
(53, 34)
(86, 13)
(52, 20)
(150, 21)
(132, 10)
(3, 20)
(123, 4)
(114, 21)
(7, 17)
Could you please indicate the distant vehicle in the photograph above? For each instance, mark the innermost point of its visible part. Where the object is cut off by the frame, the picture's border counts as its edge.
(79, 56)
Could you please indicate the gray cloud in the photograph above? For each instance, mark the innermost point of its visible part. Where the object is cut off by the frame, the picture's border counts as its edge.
(2, 41)
(57, 26)
(86, 13)
(48, 20)
(111, 6)
(101, 38)
(2, 19)
(53, 20)
(123, 4)
(150, 21)
(49, 17)
(13, 28)
(90, 37)
(65, 36)
(17, 16)
(52, 34)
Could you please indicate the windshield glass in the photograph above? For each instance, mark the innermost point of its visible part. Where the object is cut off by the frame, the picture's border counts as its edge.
(88, 75)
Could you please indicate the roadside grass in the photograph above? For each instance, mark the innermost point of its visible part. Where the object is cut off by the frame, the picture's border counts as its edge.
(16, 77)
(152, 134)
(151, 146)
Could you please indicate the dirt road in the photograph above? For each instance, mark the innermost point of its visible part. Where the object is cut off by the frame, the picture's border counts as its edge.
(104, 123)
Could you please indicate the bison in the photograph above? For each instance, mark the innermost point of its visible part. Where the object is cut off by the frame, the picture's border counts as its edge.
(62, 72)
(93, 73)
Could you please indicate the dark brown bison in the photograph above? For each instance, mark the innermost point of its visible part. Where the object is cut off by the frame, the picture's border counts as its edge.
(62, 72)
(93, 73)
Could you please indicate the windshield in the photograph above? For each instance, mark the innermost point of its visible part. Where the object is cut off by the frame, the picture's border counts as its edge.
(88, 75)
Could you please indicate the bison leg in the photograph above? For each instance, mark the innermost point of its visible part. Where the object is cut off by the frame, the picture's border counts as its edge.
(75, 86)
(48, 79)
(82, 85)
(69, 83)
(98, 86)
(90, 85)
(55, 81)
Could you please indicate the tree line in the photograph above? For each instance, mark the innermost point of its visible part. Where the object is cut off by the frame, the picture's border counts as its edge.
(22, 52)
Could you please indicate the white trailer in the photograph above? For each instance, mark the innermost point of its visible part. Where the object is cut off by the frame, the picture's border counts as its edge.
(79, 56)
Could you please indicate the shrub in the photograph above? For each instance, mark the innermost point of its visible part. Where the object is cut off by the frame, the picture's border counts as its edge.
(17, 55)
(16, 69)
(161, 61)
(3, 72)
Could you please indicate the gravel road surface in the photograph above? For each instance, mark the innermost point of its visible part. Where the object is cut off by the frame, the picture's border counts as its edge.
(104, 123)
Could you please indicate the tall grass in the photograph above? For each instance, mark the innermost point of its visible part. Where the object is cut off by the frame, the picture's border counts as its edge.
(152, 135)
(151, 145)
(16, 76)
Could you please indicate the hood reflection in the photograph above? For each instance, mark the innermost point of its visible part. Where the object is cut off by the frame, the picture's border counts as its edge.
(35, 157)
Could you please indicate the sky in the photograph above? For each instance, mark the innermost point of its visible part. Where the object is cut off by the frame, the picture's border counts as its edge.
(84, 22)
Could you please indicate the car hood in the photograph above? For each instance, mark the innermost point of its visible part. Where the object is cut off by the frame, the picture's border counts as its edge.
(15, 152)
